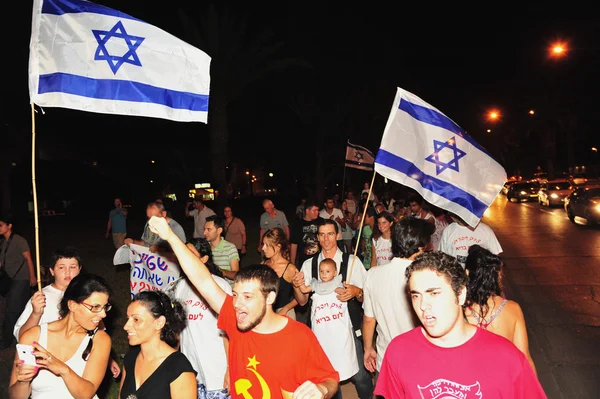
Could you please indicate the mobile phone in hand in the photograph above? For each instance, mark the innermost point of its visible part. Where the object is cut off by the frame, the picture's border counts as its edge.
(25, 353)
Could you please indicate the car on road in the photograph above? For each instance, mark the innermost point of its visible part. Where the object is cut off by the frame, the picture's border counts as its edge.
(584, 202)
(523, 191)
(554, 192)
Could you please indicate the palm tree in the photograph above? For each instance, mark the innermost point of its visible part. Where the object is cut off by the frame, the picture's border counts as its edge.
(239, 58)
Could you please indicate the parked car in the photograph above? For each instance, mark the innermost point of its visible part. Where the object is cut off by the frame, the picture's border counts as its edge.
(554, 192)
(527, 191)
(584, 202)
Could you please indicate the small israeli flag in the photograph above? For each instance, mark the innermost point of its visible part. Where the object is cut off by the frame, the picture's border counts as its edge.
(424, 149)
(89, 57)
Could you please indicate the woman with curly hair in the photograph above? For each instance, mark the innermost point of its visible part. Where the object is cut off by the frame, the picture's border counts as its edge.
(486, 306)
(153, 368)
(381, 246)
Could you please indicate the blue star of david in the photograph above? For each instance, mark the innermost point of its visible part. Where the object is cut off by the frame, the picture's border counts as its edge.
(358, 155)
(453, 163)
(115, 61)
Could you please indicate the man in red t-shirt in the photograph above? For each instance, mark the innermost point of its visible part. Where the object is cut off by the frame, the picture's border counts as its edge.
(448, 357)
(270, 355)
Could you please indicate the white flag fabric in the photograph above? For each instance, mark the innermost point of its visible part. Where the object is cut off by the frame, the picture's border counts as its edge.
(424, 149)
(359, 157)
(88, 57)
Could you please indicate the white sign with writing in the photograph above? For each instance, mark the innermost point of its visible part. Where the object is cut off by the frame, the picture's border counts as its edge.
(150, 271)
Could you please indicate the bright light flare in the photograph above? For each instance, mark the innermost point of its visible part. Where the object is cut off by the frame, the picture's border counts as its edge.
(558, 49)
(493, 115)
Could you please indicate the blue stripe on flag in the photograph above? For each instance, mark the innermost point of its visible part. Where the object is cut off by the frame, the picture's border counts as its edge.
(60, 7)
(122, 90)
(435, 185)
(436, 118)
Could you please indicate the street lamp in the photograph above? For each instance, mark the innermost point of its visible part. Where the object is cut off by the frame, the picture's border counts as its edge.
(493, 115)
(489, 130)
(531, 112)
(558, 50)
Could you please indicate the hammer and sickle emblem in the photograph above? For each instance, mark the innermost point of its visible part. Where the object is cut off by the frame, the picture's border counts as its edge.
(243, 385)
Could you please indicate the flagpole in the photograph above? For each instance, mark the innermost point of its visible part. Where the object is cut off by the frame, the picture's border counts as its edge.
(35, 204)
(348, 279)
(344, 177)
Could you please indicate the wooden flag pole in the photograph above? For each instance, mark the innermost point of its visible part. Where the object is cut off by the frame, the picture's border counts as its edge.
(35, 204)
(344, 178)
(348, 279)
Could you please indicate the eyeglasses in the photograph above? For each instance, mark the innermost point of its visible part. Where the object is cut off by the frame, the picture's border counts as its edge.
(97, 308)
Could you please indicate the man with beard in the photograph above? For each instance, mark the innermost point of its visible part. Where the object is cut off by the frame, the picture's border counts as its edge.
(270, 355)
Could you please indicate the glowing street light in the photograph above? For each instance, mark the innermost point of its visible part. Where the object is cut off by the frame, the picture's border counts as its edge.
(489, 130)
(271, 174)
(531, 112)
(493, 115)
(558, 50)
(594, 149)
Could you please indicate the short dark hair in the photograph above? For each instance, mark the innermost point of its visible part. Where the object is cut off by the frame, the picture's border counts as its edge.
(219, 221)
(325, 222)
(269, 282)
(65, 253)
(310, 203)
(410, 234)
(441, 264)
(6, 218)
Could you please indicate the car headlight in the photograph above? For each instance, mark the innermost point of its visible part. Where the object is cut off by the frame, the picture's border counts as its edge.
(554, 195)
(523, 193)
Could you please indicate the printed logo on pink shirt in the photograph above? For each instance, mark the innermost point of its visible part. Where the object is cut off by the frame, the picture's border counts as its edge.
(444, 389)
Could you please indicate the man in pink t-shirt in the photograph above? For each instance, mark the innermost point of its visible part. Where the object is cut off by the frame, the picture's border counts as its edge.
(448, 357)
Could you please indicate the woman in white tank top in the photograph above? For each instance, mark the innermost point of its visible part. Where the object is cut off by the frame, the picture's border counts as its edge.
(71, 354)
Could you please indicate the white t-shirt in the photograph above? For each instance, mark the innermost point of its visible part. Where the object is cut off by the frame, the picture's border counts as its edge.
(331, 324)
(201, 340)
(386, 300)
(358, 273)
(457, 239)
(53, 298)
(383, 248)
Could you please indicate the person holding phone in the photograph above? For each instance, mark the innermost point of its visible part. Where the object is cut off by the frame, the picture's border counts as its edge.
(43, 306)
(71, 353)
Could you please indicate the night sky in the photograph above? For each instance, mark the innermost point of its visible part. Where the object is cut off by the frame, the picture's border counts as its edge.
(464, 60)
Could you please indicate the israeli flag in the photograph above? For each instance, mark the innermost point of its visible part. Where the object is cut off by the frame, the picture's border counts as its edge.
(89, 57)
(424, 149)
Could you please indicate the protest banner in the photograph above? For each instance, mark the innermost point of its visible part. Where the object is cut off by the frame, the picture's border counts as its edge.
(150, 271)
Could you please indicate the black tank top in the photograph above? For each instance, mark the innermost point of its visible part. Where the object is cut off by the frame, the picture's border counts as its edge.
(285, 293)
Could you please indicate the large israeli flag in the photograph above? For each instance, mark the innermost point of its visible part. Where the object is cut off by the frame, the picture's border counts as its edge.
(89, 57)
(424, 149)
